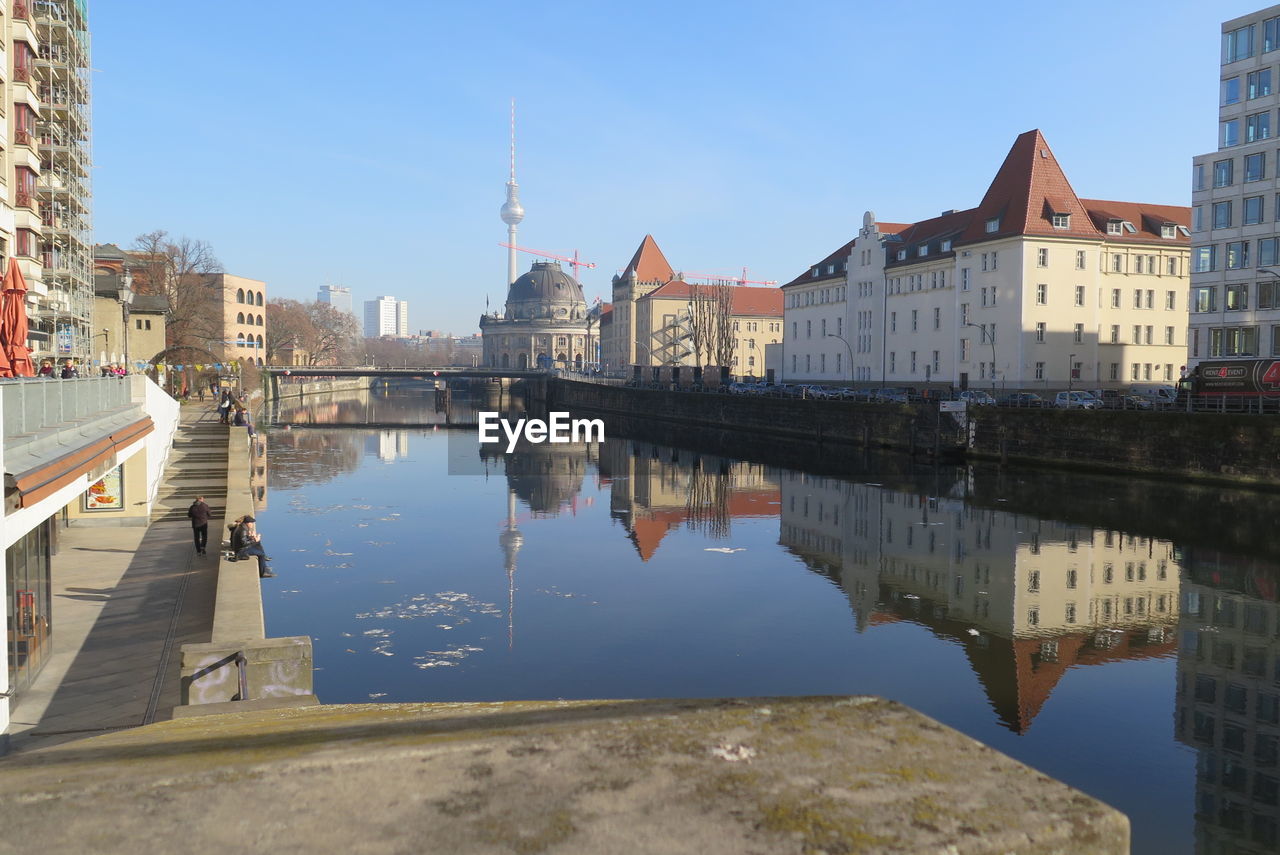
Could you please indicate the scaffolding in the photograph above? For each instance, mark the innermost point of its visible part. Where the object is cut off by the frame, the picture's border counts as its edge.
(64, 187)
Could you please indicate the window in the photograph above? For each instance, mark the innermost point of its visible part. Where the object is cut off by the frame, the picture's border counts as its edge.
(1223, 173)
(1079, 259)
(964, 350)
(1204, 299)
(1173, 266)
(892, 362)
(1151, 299)
(1237, 254)
(893, 322)
(1170, 300)
(1062, 221)
(984, 261)
(1257, 126)
(1115, 333)
(1042, 294)
(1139, 264)
(964, 313)
(937, 361)
(1137, 298)
(1255, 166)
(1168, 335)
(1079, 333)
(937, 318)
(1222, 215)
(1204, 259)
(1268, 295)
(1079, 295)
(993, 225)
(808, 329)
(1229, 133)
(964, 274)
(1115, 298)
(1237, 44)
(1042, 257)
(239, 317)
(995, 258)
(1039, 370)
(1137, 333)
(1148, 334)
(1115, 371)
(1040, 331)
(1267, 253)
(1237, 298)
(915, 320)
(1252, 210)
(1114, 227)
(1117, 263)
(1231, 91)
(240, 295)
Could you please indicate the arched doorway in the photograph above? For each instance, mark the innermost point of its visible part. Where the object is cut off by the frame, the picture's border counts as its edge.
(561, 359)
(506, 360)
(577, 362)
(524, 360)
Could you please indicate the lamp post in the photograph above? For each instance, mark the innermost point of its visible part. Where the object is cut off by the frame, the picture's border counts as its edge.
(1071, 373)
(847, 347)
(983, 330)
(126, 299)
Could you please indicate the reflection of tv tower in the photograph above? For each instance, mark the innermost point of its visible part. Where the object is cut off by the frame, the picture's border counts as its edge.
(511, 540)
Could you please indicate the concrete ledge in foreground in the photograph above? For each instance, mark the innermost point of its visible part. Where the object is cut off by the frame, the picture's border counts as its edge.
(761, 775)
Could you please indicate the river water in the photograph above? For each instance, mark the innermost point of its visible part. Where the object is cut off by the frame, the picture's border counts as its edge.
(1118, 634)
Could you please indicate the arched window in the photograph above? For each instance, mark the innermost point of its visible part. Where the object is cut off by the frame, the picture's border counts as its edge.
(259, 341)
(240, 340)
(261, 321)
(239, 317)
(259, 298)
(506, 361)
(240, 295)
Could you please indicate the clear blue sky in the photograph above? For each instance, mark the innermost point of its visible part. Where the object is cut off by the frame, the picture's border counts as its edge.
(366, 144)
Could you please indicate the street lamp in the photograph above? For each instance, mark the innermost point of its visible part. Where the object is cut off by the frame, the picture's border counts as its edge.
(126, 299)
(847, 347)
(1071, 373)
(983, 330)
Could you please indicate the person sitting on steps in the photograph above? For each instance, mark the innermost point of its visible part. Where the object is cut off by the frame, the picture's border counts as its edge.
(245, 542)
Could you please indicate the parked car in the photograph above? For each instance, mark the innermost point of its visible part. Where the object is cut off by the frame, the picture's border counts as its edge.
(891, 396)
(1023, 399)
(1076, 401)
(809, 390)
(741, 388)
(857, 394)
(977, 398)
(1136, 402)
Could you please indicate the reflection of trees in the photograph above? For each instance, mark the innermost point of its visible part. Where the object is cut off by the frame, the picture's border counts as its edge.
(708, 498)
(408, 405)
(301, 457)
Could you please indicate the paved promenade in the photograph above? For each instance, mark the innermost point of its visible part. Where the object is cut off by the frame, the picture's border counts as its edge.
(124, 601)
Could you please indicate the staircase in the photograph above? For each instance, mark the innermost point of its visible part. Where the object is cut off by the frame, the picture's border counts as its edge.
(197, 467)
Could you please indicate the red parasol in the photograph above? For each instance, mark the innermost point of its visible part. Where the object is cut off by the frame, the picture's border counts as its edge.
(13, 323)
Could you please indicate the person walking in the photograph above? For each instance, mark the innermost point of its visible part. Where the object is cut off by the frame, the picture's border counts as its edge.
(224, 408)
(199, 513)
(46, 368)
(69, 370)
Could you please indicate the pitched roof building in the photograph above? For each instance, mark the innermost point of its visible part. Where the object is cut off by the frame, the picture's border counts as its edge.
(1035, 288)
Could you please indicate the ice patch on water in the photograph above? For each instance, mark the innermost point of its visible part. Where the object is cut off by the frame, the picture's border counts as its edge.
(448, 658)
(451, 606)
(725, 549)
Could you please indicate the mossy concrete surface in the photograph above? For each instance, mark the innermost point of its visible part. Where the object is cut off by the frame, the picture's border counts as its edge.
(756, 775)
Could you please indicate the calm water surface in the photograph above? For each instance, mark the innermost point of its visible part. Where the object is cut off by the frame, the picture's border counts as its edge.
(1118, 635)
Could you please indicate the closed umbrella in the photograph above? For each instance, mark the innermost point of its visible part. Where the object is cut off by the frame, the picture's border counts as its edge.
(13, 323)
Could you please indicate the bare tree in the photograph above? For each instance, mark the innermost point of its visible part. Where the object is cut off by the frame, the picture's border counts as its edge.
(182, 270)
(324, 334)
(724, 341)
(711, 323)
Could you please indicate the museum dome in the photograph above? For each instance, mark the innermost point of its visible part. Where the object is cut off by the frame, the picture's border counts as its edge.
(546, 291)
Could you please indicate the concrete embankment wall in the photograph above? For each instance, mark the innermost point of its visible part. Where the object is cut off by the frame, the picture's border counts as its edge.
(898, 426)
(284, 390)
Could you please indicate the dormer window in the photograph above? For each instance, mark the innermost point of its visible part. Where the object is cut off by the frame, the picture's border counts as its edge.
(816, 271)
(1168, 231)
(993, 225)
(922, 250)
(1062, 221)
(946, 246)
(902, 255)
(831, 268)
(1114, 227)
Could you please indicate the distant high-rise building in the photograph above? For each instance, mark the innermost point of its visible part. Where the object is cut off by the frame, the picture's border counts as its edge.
(386, 316)
(336, 296)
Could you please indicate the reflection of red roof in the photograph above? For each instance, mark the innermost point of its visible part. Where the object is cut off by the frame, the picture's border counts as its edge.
(753, 503)
(649, 264)
(646, 534)
(747, 301)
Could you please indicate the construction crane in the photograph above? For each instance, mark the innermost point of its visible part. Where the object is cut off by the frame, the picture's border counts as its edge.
(574, 262)
(737, 280)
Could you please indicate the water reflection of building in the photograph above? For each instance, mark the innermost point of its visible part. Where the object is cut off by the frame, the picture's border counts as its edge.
(547, 477)
(654, 489)
(1228, 700)
(1027, 598)
(388, 445)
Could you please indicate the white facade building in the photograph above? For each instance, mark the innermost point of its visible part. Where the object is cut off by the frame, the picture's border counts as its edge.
(336, 296)
(1033, 289)
(386, 316)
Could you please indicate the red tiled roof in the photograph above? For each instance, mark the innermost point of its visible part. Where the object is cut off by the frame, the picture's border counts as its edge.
(1028, 189)
(1147, 219)
(649, 264)
(747, 301)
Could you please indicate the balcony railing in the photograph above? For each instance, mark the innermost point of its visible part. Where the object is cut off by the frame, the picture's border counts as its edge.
(25, 199)
(20, 9)
(22, 136)
(22, 73)
(33, 405)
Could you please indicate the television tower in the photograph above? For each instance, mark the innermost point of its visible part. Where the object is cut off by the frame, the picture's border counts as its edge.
(512, 211)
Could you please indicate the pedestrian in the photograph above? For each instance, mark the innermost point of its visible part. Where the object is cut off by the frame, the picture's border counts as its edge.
(224, 408)
(69, 370)
(46, 368)
(199, 513)
(246, 542)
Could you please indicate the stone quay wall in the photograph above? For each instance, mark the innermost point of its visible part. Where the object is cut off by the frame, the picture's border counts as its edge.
(1210, 447)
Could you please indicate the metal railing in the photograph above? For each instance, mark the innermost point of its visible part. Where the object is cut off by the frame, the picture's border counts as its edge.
(31, 405)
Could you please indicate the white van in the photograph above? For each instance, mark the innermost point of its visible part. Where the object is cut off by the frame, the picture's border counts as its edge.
(1159, 396)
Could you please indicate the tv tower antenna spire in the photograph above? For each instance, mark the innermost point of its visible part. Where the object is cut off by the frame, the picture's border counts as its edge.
(512, 211)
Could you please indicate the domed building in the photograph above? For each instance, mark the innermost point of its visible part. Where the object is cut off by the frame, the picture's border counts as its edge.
(545, 323)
